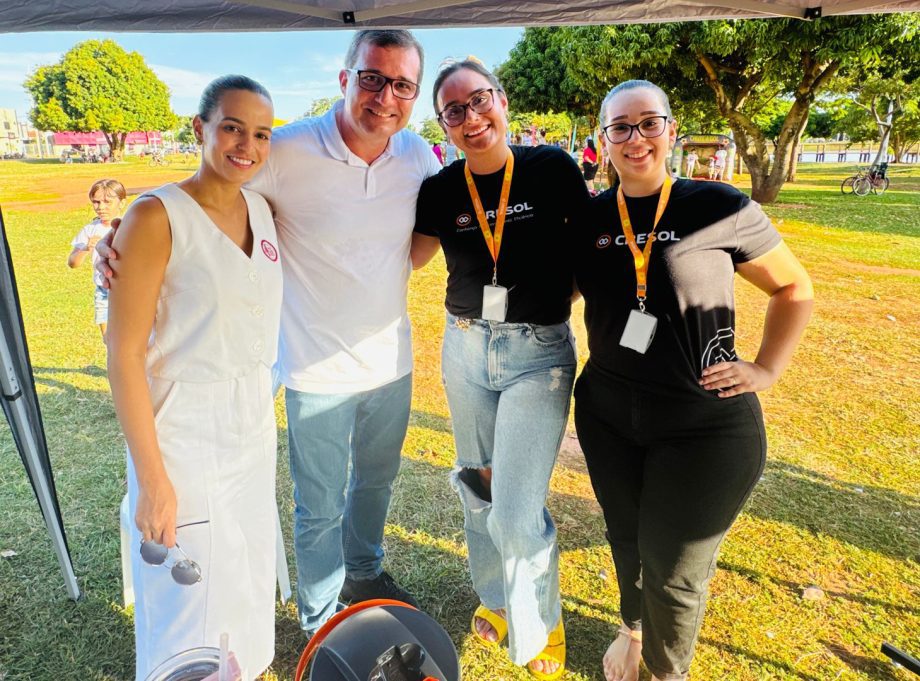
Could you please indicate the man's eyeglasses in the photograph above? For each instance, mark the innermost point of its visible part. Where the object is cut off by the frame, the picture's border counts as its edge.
(185, 571)
(375, 82)
(481, 102)
(650, 127)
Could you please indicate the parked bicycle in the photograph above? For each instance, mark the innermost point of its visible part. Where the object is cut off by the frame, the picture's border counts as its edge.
(157, 159)
(873, 179)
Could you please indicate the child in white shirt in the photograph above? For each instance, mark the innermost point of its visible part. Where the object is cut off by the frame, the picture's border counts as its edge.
(108, 199)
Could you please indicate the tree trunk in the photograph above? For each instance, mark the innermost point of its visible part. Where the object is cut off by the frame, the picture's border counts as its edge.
(884, 133)
(766, 178)
(116, 141)
(794, 160)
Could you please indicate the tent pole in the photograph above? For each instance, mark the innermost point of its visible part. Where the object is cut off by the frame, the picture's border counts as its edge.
(20, 423)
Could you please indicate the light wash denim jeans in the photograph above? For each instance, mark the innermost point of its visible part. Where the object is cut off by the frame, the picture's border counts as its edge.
(508, 387)
(344, 451)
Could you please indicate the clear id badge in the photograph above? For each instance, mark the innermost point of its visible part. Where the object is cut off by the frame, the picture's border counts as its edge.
(494, 303)
(639, 331)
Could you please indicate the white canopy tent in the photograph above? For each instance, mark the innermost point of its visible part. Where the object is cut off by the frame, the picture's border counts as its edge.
(19, 16)
(292, 15)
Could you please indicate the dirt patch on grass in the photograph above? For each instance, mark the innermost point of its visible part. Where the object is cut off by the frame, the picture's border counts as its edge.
(69, 192)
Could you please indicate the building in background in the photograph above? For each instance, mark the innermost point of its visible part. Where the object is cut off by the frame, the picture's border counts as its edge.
(11, 143)
(95, 143)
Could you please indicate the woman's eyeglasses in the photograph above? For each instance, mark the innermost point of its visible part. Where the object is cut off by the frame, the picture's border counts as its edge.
(375, 82)
(481, 102)
(185, 571)
(650, 127)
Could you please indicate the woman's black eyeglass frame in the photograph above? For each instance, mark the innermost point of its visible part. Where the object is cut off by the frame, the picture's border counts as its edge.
(637, 129)
(464, 107)
(384, 82)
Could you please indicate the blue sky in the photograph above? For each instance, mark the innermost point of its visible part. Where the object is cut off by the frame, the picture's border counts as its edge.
(296, 67)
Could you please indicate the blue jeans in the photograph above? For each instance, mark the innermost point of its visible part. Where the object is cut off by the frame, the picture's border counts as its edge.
(101, 305)
(508, 387)
(345, 451)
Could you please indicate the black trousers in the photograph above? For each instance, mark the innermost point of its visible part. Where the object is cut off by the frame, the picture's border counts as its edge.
(671, 475)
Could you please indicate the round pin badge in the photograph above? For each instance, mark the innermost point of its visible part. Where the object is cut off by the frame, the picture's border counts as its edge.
(269, 250)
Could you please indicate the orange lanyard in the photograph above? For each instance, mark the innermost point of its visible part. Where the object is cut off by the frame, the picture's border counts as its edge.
(641, 258)
(493, 239)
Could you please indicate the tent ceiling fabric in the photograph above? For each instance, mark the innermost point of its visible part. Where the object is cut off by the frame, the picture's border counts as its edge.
(290, 15)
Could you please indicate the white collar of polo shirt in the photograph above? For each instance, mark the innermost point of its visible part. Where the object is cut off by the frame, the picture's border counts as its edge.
(335, 145)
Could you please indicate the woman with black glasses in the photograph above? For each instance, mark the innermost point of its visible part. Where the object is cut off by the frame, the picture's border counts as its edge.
(666, 412)
(503, 218)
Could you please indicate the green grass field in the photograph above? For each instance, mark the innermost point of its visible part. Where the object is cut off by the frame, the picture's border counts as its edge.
(838, 507)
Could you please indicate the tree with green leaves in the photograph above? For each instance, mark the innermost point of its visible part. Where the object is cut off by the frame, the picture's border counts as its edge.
(431, 131)
(99, 86)
(536, 79)
(556, 126)
(737, 66)
(906, 132)
(183, 130)
(887, 94)
(320, 106)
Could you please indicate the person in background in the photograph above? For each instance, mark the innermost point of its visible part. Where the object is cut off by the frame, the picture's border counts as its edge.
(196, 301)
(505, 219)
(692, 158)
(721, 157)
(589, 163)
(108, 200)
(666, 411)
(436, 148)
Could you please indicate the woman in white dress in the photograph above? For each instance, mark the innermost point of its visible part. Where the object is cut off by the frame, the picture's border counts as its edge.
(194, 310)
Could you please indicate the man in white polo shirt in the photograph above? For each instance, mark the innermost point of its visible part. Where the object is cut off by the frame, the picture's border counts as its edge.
(343, 187)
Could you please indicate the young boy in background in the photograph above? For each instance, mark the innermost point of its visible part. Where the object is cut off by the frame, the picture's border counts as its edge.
(108, 200)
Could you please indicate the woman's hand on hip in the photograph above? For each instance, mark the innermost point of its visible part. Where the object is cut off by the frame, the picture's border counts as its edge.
(156, 512)
(735, 378)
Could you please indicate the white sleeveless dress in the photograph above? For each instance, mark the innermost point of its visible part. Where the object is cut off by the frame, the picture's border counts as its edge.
(209, 362)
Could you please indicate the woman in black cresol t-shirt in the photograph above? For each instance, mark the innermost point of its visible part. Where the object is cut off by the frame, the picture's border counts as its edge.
(504, 217)
(666, 412)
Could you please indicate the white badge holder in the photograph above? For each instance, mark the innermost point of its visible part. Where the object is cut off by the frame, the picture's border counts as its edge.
(494, 303)
(639, 331)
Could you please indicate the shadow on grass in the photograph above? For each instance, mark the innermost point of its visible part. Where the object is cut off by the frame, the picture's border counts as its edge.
(88, 370)
(892, 213)
(425, 419)
(59, 639)
(874, 668)
(868, 517)
(796, 589)
(871, 518)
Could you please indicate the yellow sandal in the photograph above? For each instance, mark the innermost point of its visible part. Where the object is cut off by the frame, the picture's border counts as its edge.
(497, 622)
(553, 652)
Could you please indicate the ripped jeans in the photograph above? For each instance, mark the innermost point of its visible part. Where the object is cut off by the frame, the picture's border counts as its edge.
(508, 387)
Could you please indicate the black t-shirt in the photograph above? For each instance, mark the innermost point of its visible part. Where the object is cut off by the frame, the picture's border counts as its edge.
(705, 231)
(535, 260)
